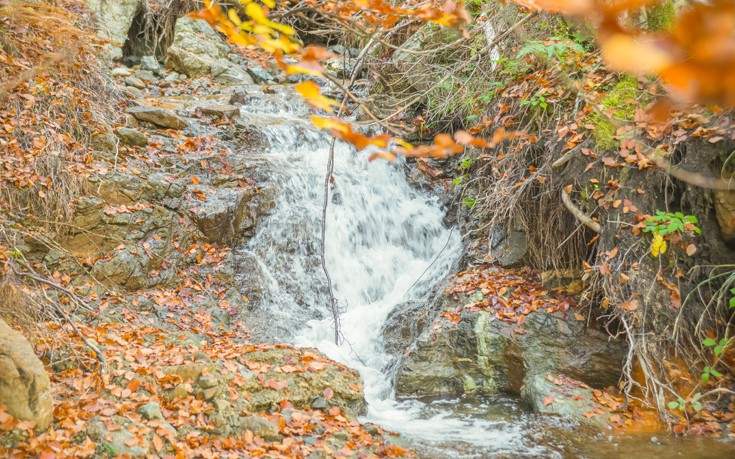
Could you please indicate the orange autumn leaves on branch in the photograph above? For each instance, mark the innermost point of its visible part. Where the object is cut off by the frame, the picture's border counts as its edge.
(695, 60)
(277, 39)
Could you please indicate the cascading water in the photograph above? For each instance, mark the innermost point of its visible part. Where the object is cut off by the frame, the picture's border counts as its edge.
(385, 244)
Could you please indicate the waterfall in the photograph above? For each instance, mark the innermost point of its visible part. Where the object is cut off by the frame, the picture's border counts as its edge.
(385, 244)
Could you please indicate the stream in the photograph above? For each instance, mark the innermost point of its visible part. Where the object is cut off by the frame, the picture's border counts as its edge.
(385, 245)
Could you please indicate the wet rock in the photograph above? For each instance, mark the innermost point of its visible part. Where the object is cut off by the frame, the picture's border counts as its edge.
(569, 400)
(219, 111)
(121, 72)
(25, 388)
(135, 82)
(159, 116)
(238, 98)
(228, 214)
(725, 211)
(151, 64)
(130, 61)
(114, 19)
(405, 324)
(197, 49)
(483, 354)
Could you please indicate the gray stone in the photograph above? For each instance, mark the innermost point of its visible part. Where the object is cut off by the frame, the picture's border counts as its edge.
(25, 388)
(195, 48)
(260, 427)
(121, 72)
(172, 77)
(508, 247)
(147, 76)
(129, 136)
(135, 82)
(225, 72)
(159, 116)
(151, 411)
(484, 354)
(103, 142)
(150, 63)
(341, 67)
(260, 75)
(114, 442)
(114, 19)
(220, 111)
(133, 92)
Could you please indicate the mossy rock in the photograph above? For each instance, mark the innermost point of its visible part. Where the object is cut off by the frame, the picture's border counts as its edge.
(661, 16)
(619, 106)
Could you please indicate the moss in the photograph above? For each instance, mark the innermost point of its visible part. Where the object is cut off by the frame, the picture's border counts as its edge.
(618, 106)
(660, 17)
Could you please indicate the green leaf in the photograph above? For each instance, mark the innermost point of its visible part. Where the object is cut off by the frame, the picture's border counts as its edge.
(673, 405)
(723, 341)
(732, 302)
(709, 342)
(697, 406)
(715, 373)
(718, 350)
(705, 377)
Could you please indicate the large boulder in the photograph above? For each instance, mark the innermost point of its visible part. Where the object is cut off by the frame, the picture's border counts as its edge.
(481, 353)
(25, 388)
(115, 17)
(198, 50)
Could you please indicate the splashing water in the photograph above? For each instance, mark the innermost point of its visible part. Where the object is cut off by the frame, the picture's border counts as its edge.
(385, 244)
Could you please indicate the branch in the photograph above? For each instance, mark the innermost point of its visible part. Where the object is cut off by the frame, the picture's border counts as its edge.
(581, 217)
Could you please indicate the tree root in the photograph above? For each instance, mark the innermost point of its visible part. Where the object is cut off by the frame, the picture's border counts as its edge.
(581, 217)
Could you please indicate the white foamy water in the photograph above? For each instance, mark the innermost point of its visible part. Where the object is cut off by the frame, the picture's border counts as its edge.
(385, 244)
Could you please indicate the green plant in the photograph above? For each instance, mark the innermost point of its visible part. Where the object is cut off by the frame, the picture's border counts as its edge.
(665, 223)
(556, 48)
(537, 100)
(731, 304)
(709, 371)
(469, 202)
(681, 404)
(718, 346)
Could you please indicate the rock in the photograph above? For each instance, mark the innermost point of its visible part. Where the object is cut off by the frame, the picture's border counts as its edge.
(341, 67)
(195, 49)
(133, 93)
(219, 111)
(147, 76)
(260, 427)
(221, 215)
(115, 441)
(114, 19)
(225, 72)
(135, 82)
(130, 61)
(132, 137)
(569, 400)
(103, 142)
(159, 116)
(25, 388)
(260, 75)
(238, 98)
(484, 354)
(173, 77)
(151, 64)
(725, 211)
(151, 411)
(508, 247)
(121, 72)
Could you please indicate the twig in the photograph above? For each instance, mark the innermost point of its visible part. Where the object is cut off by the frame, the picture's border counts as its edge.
(578, 214)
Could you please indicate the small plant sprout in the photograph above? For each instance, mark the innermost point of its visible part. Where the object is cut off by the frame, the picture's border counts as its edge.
(664, 224)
